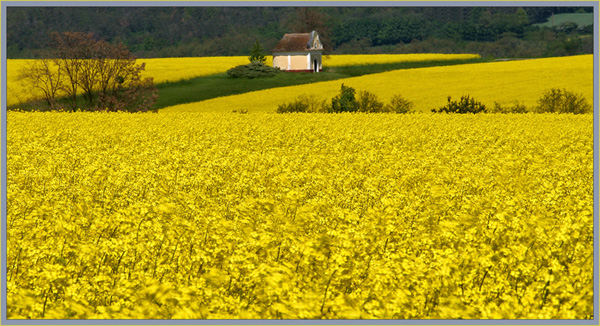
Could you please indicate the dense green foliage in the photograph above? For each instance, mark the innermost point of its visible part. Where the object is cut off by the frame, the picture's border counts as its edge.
(205, 31)
(345, 101)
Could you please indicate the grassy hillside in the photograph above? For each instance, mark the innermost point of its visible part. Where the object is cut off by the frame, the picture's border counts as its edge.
(504, 82)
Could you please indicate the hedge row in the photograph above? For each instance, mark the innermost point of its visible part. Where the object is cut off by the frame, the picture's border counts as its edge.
(554, 100)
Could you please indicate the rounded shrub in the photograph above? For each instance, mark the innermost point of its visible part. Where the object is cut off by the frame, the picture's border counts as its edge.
(399, 104)
(368, 102)
(252, 70)
(562, 101)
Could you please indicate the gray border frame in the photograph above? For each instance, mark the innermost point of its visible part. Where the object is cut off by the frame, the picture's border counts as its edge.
(3, 179)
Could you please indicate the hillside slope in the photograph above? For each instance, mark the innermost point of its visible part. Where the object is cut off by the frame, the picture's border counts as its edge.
(171, 70)
(503, 82)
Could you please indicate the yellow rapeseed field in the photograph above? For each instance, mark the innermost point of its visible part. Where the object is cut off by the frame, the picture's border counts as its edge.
(366, 59)
(174, 69)
(205, 215)
(504, 82)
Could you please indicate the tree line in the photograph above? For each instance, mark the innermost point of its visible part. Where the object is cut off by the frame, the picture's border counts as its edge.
(204, 31)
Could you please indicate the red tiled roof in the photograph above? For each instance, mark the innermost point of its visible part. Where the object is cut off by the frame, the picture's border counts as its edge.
(294, 42)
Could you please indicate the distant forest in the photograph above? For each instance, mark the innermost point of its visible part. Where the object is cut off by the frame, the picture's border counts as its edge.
(224, 31)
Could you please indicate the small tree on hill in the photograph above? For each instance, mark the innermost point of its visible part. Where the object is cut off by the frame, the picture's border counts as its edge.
(257, 55)
(345, 101)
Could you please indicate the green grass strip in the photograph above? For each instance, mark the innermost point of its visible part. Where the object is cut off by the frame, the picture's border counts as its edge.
(207, 87)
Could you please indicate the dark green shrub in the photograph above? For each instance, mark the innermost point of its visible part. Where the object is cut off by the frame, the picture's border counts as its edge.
(562, 101)
(368, 102)
(399, 104)
(295, 106)
(345, 101)
(515, 108)
(252, 70)
(466, 104)
(303, 103)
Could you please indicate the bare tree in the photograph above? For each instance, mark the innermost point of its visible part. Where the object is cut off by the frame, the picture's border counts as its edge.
(45, 76)
(139, 95)
(311, 19)
(67, 49)
(105, 75)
